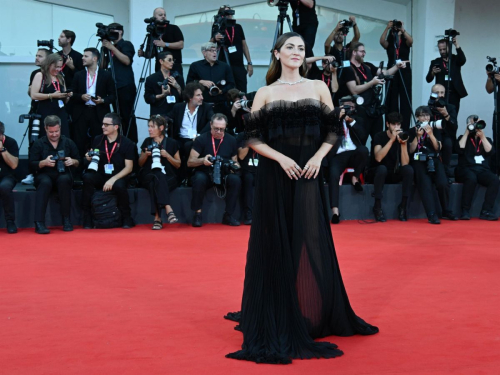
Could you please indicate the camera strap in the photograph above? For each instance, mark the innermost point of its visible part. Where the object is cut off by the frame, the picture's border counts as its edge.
(397, 48)
(362, 71)
(421, 141)
(323, 79)
(478, 145)
(213, 145)
(57, 85)
(112, 150)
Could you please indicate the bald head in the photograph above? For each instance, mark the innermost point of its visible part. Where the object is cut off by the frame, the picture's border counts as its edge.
(439, 90)
(159, 14)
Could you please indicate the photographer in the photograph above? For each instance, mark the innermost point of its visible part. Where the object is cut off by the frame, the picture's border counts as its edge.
(441, 110)
(348, 152)
(475, 151)
(425, 145)
(440, 68)
(116, 155)
(232, 40)
(397, 42)
(159, 154)
(122, 52)
(93, 94)
(249, 161)
(337, 37)
(9, 161)
(365, 79)
(190, 119)
(72, 60)
(391, 155)
(492, 83)
(215, 76)
(305, 22)
(327, 75)
(52, 159)
(171, 40)
(240, 106)
(163, 89)
(213, 144)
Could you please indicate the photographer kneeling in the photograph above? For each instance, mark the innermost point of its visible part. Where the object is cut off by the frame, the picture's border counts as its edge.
(51, 158)
(475, 151)
(424, 149)
(240, 105)
(158, 155)
(215, 173)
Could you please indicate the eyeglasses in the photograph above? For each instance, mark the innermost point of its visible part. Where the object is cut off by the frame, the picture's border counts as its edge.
(170, 60)
(104, 124)
(363, 52)
(212, 50)
(219, 130)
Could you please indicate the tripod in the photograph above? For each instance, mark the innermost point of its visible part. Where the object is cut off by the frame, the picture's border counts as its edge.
(279, 24)
(222, 46)
(450, 44)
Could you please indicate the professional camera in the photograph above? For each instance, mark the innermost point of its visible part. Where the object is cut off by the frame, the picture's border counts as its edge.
(156, 28)
(221, 168)
(332, 63)
(426, 155)
(273, 3)
(164, 83)
(349, 110)
(396, 25)
(94, 161)
(451, 33)
(435, 124)
(105, 33)
(46, 43)
(346, 25)
(221, 22)
(59, 158)
(436, 102)
(35, 125)
(154, 148)
(214, 89)
(476, 125)
(403, 135)
(492, 66)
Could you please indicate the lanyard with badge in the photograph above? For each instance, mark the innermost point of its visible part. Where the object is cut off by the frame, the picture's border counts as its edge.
(420, 144)
(192, 131)
(254, 160)
(109, 168)
(57, 87)
(477, 158)
(323, 79)
(446, 76)
(88, 79)
(213, 145)
(231, 48)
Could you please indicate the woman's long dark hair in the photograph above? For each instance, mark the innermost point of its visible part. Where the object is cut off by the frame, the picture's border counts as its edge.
(274, 71)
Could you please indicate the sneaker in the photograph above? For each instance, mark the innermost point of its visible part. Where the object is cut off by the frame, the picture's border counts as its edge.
(11, 227)
(247, 217)
(379, 215)
(229, 220)
(29, 180)
(488, 215)
(197, 220)
(465, 215)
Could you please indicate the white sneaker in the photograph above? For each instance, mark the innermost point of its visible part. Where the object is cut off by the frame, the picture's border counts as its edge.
(29, 180)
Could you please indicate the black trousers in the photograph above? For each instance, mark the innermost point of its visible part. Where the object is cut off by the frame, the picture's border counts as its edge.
(248, 179)
(240, 77)
(93, 180)
(126, 100)
(382, 175)
(447, 148)
(337, 163)
(44, 183)
(308, 32)
(201, 183)
(185, 145)
(85, 128)
(397, 98)
(157, 184)
(424, 181)
(454, 98)
(470, 176)
(7, 184)
(372, 125)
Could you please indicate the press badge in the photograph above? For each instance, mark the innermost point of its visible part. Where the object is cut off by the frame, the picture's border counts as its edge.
(479, 159)
(170, 99)
(447, 78)
(416, 156)
(61, 103)
(109, 168)
(231, 49)
(346, 63)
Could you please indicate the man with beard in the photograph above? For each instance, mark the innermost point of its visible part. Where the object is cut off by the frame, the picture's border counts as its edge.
(440, 70)
(72, 60)
(337, 37)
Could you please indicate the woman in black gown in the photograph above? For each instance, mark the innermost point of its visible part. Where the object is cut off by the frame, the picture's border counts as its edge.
(293, 290)
(49, 89)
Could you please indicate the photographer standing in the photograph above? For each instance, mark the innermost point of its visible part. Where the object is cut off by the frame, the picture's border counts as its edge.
(348, 151)
(337, 37)
(492, 83)
(440, 70)
(208, 145)
(52, 160)
(474, 154)
(231, 39)
(171, 40)
(424, 149)
(72, 60)
(122, 53)
(305, 22)
(397, 42)
(9, 161)
(116, 159)
(163, 88)
(157, 175)
(390, 152)
(215, 76)
(363, 79)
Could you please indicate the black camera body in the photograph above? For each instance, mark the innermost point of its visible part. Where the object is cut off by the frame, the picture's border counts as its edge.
(105, 33)
(428, 157)
(156, 28)
(451, 33)
(221, 22)
(492, 67)
(221, 168)
(349, 110)
(152, 146)
(396, 25)
(164, 83)
(93, 153)
(403, 135)
(436, 102)
(476, 125)
(46, 43)
(215, 90)
(59, 158)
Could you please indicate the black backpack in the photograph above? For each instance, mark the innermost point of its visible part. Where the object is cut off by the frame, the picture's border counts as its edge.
(105, 212)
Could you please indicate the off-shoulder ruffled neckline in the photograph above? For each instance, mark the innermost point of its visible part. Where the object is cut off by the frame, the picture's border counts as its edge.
(279, 101)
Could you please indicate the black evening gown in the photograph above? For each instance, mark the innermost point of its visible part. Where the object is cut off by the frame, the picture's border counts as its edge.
(293, 290)
(51, 107)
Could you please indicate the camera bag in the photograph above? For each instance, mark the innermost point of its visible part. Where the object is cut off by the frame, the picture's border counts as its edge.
(105, 212)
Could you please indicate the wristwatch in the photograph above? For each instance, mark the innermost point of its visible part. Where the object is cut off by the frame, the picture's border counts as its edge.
(249, 63)
(3, 149)
(167, 44)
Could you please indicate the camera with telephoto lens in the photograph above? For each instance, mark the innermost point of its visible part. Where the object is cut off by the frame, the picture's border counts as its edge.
(403, 135)
(451, 33)
(434, 124)
(428, 157)
(476, 125)
(46, 43)
(154, 148)
(245, 103)
(396, 25)
(59, 158)
(105, 32)
(164, 83)
(35, 124)
(221, 22)
(214, 89)
(221, 168)
(436, 102)
(94, 161)
(492, 66)
(332, 63)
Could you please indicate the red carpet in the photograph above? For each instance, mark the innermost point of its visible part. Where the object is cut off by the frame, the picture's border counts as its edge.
(151, 302)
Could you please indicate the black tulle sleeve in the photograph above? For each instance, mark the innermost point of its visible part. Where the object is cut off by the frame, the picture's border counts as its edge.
(330, 124)
(255, 126)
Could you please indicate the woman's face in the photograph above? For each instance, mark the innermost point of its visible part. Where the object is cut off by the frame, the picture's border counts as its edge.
(154, 130)
(55, 68)
(168, 63)
(292, 52)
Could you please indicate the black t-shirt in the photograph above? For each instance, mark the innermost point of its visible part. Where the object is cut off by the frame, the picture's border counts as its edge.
(68, 73)
(11, 145)
(168, 145)
(365, 73)
(32, 77)
(248, 164)
(226, 147)
(124, 74)
(125, 150)
(339, 54)
(474, 147)
(306, 15)
(173, 34)
(402, 52)
(233, 37)
(393, 157)
(426, 142)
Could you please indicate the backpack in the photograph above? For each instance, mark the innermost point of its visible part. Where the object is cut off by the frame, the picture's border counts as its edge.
(105, 212)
